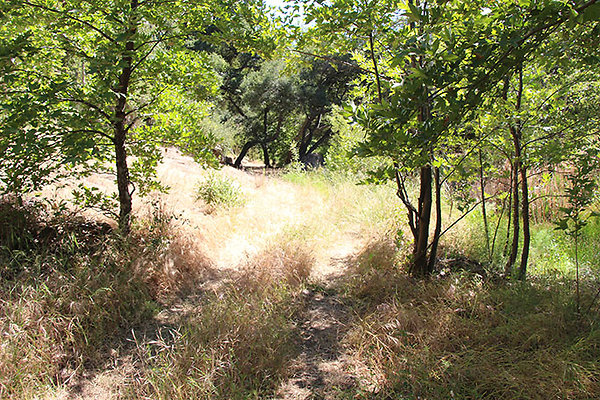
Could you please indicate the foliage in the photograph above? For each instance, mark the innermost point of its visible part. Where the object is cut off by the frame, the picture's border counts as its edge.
(219, 192)
(82, 88)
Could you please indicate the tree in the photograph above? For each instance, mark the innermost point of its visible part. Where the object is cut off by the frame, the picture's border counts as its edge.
(324, 83)
(96, 71)
(261, 101)
(446, 58)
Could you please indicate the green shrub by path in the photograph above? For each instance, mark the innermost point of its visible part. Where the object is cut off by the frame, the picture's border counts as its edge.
(217, 192)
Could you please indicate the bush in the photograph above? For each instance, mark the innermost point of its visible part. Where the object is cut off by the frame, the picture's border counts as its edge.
(219, 192)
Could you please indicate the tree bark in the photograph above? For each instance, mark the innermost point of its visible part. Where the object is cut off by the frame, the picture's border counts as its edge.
(515, 220)
(438, 221)
(526, 218)
(524, 185)
(120, 132)
(245, 149)
(483, 208)
(420, 264)
(510, 212)
(519, 168)
(266, 159)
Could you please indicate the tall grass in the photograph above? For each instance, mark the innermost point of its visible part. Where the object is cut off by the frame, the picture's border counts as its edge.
(461, 337)
(239, 341)
(70, 289)
(365, 209)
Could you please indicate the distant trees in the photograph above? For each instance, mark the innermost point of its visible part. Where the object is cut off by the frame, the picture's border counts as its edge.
(262, 102)
(279, 107)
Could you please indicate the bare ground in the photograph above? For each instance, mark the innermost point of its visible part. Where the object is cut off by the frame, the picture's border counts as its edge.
(321, 371)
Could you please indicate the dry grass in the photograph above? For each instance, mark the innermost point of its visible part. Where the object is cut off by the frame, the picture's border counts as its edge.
(239, 341)
(286, 262)
(169, 256)
(460, 337)
(70, 289)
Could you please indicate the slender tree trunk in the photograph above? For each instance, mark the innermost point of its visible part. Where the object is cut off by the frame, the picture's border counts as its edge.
(497, 228)
(526, 218)
(518, 168)
(515, 220)
(510, 212)
(438, 221)
(420, 263)
(266, 159)
(120, 132)
(245, 149)
(483, 208)
(524, 185)
(577, 267)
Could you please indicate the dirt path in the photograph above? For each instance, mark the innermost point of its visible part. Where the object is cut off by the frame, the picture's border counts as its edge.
(321, 371)
(229, 239)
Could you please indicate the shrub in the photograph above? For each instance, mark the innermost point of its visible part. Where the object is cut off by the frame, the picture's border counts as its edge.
(219, 192)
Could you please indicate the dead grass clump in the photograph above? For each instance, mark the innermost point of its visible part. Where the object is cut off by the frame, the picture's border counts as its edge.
(463, 338)
(375, 270)
(168, 255)
(286, 262)
(70, 287)
(237, 345)
(62, 310)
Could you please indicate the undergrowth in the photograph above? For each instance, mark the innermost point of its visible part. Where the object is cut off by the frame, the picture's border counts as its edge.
(458, 336)
(70, 288)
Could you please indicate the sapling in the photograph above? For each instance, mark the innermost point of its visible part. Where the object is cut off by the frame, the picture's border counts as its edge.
(580, 196)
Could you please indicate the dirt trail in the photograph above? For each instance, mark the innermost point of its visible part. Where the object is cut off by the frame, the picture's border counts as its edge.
(321, 371)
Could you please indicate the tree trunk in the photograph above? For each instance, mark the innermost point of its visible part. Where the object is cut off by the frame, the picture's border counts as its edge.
(120, 132)
(524, 186)
(526, 231)
(266, 155)
(245, 149)
(301, 137)
(518, 168)
(493, 249)
(321, 140)
(438, 221)
(483, 209)
(420, 263)
(510, 212)
(515, 220)
(307, 137)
